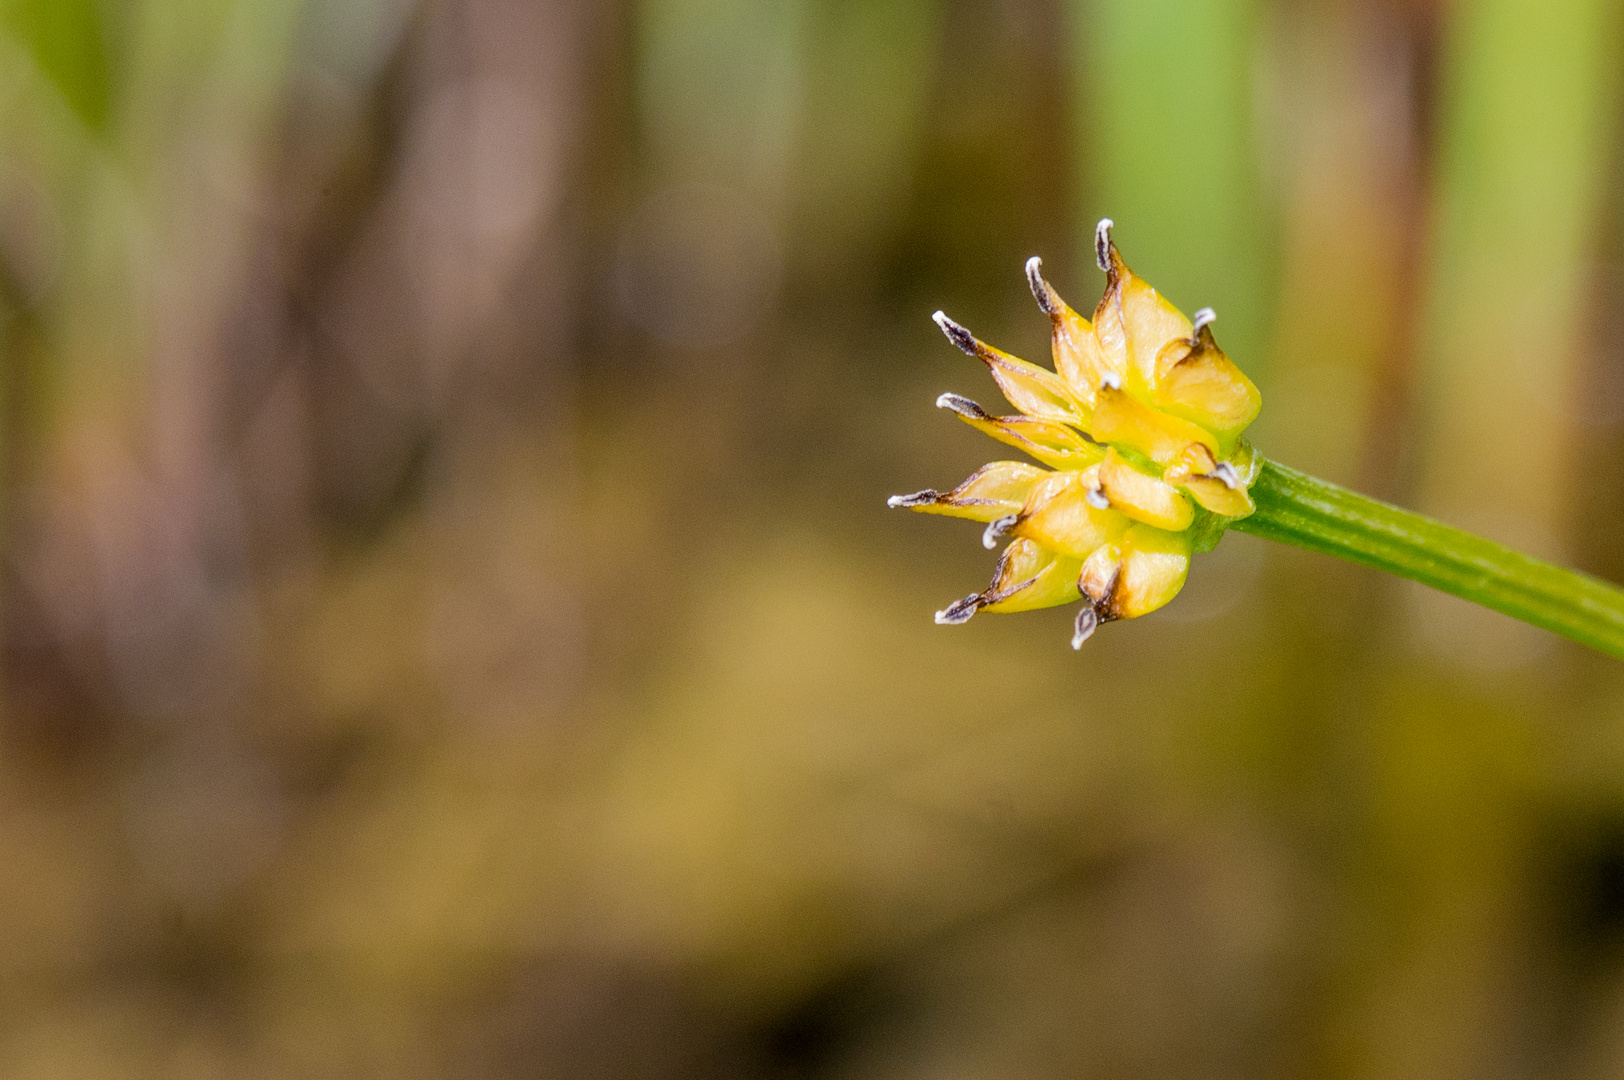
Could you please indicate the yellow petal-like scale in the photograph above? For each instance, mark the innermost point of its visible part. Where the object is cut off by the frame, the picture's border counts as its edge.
(1221, 491)
(1123, 420)
(1039, 393)
(1059, 516)
(991, 492)
(1154, 565)
(1057, 445)
(1202, 385)
(1029, 577)
(1217, 497)
(1133, 323)
(1077, 354)
(1143, 497)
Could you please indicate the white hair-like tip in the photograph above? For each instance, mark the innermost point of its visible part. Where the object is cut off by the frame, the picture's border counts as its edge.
(959, 611)
(997, 528)
(1088, 620)
(1225, 472)
(962, 405)
(1096, 498)
(1205, 317)
(1040, 288)
(1111, 381)
(1102, 243)
(957, 334)
(918, 498)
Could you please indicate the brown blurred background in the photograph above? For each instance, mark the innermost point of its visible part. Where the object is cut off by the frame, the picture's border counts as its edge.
(452, 627)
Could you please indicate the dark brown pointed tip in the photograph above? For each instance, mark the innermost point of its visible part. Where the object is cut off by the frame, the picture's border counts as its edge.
(963, 406)
(957, 334)
(1103, 248)
(959, 611)
(1045, 296)
(966, 341)
(997, 528)
(918, 498)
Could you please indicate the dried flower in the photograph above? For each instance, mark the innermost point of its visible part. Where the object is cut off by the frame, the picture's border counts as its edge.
(1140, 424)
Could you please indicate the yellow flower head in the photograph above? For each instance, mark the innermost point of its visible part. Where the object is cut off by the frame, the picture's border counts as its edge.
(1140, 424)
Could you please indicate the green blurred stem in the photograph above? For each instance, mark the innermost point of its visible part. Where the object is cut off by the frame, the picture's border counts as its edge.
(1294, 508)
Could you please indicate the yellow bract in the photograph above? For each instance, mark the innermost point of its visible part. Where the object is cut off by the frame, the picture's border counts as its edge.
(1143, 497)
(1060, 515)
(1140, 423)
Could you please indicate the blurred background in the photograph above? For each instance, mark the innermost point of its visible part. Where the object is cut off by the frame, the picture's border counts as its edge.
(452, 627)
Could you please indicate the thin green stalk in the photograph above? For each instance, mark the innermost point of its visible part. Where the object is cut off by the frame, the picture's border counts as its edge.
(1294, 508)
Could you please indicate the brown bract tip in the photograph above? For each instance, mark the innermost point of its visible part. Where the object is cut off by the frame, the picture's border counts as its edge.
(957, 334)
(1045, 295)
(963, 406)
(996, 528)
(1103, 248)
(959, 611)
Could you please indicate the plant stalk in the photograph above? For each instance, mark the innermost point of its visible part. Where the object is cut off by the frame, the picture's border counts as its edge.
(1294, 508)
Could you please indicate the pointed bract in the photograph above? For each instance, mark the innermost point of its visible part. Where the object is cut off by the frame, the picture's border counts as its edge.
(1154, 564)
(1077, 355)
(1059, 515)
(1036, 392)
(1132, 324)
(992, 491)
(1143, 497)
(1058, 445)
(1219, 487)
(1030, 576)
(1196, 381)
(1121, 419)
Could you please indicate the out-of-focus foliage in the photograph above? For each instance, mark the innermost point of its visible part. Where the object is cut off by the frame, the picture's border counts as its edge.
(1168, 131)
(67, 39)
(453, 628)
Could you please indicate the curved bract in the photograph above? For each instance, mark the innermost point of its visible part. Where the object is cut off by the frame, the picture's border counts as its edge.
(1139, 425)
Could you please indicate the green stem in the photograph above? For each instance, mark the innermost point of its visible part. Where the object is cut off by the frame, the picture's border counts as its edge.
(1293, 508)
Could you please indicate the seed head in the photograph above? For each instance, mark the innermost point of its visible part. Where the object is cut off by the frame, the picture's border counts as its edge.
(1140, 425)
